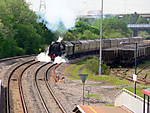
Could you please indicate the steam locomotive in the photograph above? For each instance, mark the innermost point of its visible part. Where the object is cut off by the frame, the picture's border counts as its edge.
(110, 48)
(56, 49)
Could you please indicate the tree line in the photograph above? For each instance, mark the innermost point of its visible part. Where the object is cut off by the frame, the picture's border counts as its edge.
(113, 27)
(20, 33)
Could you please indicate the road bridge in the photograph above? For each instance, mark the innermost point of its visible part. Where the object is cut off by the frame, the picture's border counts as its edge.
(138, 27)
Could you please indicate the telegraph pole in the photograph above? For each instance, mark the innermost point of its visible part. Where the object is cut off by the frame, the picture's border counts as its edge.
(135, 62)
(101, 36)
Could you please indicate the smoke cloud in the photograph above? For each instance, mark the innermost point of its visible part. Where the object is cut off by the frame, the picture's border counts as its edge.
(59, 15)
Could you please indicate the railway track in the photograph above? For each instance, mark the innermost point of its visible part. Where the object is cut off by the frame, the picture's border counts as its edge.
(17, 101)
(140, 79)
(21, 88)
(14, 89)
(46, 95)
(13, 58)
(45, 90)
(49, 87)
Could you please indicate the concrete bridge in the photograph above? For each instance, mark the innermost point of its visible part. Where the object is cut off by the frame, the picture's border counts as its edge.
(138, 27)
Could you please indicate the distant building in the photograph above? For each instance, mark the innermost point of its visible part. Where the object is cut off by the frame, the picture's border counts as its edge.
(93, 15)
(90, 14)
(144, 15)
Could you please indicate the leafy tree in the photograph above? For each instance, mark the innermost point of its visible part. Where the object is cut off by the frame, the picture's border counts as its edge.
(81, 26)
(142, 20)
(19, 13)
(3, 31)
(9, 48)
(88, 35)
(69, 36)
(133, 18)
(47, 35)
(27, 38)
(112, 28)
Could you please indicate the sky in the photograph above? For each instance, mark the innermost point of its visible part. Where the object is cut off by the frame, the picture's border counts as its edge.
(110, 6)
(66, 11)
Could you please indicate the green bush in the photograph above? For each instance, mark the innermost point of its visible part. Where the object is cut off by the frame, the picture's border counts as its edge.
(106, 69)
(93, 65)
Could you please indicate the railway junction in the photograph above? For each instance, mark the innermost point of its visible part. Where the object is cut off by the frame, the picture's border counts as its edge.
(33, 87)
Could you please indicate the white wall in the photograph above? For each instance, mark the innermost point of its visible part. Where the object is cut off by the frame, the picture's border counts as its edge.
(127, 99)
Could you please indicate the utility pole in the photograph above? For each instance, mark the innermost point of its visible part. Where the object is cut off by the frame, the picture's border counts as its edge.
(135, 66)
(101, 36)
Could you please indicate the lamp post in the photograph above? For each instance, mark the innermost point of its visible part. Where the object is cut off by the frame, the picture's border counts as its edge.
(101, 36)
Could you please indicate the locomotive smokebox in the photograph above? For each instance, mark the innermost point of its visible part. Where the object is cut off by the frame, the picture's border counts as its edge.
(56, 49)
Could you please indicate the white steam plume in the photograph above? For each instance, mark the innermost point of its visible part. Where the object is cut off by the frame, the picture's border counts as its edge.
(59, 39)
(59, 12)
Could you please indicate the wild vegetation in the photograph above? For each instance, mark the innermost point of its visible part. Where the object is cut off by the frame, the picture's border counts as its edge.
(93, 65)
(20, 33)
(81, 68)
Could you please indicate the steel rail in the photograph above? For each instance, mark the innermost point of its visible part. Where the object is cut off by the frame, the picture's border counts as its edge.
(50, 88)
(8, 84)
(38, 90)
(17, 57)
(21, 87)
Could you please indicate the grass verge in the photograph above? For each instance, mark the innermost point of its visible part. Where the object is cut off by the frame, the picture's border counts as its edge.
(95, 96)
(75, 69)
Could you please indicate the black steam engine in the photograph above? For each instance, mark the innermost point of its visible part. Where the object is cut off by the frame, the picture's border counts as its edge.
(56, 49)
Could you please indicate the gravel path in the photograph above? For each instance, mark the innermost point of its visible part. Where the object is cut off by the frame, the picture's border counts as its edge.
(70, 92)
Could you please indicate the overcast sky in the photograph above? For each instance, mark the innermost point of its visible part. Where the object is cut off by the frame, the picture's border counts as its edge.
(66, 11)
(110, 6)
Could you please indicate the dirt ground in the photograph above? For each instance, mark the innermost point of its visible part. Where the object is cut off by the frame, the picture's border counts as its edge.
(72, 90)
